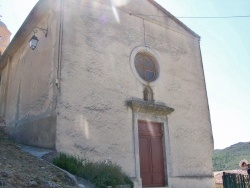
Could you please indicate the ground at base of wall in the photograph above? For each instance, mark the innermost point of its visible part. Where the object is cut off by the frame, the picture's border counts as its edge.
(20, 169)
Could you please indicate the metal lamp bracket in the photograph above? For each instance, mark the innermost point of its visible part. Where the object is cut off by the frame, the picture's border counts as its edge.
(45, 31)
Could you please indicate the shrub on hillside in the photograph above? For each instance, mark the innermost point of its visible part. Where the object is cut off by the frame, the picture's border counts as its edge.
(101, 174)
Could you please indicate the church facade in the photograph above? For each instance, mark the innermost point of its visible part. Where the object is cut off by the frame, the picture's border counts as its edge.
(111, 80)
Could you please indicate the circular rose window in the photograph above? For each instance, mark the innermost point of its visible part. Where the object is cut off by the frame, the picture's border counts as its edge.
(146, 67)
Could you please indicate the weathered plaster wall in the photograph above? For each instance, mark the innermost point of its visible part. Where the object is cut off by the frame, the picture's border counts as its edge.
(27, 90)
(96, 80)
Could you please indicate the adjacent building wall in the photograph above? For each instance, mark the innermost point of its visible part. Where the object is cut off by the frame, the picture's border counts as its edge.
(4, 37)
(28, 86)
(97, 79)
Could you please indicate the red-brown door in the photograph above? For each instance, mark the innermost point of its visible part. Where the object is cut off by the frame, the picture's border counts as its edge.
(151, 154)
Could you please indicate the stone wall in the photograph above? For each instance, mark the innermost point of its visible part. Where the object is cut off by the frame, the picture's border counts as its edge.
(87, 115)
(97, 78)
(28, 86)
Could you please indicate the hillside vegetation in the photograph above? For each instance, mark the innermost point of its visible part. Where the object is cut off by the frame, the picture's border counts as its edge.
(229, 158)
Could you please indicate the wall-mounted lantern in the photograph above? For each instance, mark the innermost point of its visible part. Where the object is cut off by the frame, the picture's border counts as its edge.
(34, 40)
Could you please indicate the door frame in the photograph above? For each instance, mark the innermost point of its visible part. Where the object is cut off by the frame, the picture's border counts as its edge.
(138, 116)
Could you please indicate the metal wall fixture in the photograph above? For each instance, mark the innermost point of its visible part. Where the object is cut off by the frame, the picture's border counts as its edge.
(34, 40)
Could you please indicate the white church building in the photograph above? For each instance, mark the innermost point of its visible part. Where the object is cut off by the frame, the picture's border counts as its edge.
(105, 80)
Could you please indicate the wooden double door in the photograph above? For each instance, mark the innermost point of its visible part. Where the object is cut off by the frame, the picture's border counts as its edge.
(151, 154)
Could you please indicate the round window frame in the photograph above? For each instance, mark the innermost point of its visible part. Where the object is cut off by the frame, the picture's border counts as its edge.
(153, 56)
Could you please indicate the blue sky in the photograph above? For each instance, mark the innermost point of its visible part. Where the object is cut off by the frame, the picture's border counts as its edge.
(225, 45)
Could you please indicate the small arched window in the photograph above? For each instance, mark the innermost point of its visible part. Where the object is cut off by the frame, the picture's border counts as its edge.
(148, 94)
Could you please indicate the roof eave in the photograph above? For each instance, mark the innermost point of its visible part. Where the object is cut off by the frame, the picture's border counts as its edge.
(24, 31)
(174, 18)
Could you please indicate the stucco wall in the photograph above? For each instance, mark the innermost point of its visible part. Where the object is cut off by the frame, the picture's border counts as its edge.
(28, 84)
(96, 79)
